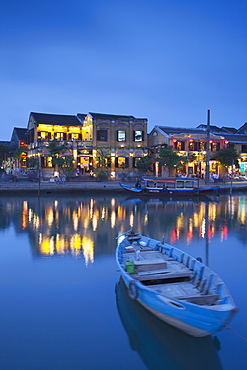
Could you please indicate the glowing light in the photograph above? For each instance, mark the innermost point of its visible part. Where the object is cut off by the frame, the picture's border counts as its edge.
(113, 219)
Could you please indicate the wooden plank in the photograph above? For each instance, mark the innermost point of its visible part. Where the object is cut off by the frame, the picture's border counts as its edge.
(162, 276)
(200, 299)
(142, 273)
(148, 262)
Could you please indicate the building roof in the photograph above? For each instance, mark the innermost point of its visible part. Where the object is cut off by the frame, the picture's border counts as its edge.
(218, 130)
(81, 116)
(235, 138)
(109, 116)
(232, 130)
(242, 129)
(20, 133)
(55, 119)
(7, 143)
(180, 130)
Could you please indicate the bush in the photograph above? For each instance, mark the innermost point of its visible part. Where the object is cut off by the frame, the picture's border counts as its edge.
(102, 174)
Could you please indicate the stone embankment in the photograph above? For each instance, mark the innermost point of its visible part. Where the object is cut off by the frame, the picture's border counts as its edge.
(91, 187)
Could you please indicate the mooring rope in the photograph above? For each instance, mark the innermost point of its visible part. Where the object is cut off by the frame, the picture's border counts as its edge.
(237, 334)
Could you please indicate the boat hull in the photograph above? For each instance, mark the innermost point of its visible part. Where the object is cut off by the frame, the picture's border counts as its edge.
(171, 192)
(198, 320)
(191, 319)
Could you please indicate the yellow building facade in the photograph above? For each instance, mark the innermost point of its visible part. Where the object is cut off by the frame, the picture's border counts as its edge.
(124, 138)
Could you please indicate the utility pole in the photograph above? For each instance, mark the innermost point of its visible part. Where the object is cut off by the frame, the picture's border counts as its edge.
(207, 149)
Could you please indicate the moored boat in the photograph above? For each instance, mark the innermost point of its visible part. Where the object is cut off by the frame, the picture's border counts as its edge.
(170, 187)
(174, 286)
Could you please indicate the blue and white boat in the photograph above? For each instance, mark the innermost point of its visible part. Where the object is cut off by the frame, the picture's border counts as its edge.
(176, 287)
(170, 187)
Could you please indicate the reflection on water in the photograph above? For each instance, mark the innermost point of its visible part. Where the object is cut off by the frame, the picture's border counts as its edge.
(67, 225)
(49, 305)
(158, 343)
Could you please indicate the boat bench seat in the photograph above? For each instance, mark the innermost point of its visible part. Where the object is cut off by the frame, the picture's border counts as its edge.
(208, 299)
(161, 275)
(150, 265)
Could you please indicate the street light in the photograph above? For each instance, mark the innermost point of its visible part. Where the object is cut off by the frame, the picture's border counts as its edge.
(39, 166)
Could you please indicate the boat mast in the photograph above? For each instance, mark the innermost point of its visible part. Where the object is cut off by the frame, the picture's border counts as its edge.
(207, 149)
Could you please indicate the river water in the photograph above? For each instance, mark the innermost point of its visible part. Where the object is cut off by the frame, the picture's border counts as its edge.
(62, 303)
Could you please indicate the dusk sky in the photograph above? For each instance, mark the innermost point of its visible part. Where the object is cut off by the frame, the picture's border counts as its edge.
(165, 60)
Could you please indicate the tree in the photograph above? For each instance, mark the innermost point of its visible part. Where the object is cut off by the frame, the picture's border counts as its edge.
(227, 156)
(169, 157)
(20, 154)
(103, 162)
(4, 150)
(58, 160)
(144, 164)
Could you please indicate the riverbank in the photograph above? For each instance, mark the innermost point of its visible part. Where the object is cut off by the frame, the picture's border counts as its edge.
(91, 187)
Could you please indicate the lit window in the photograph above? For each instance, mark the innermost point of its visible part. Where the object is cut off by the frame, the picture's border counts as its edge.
(121, 135)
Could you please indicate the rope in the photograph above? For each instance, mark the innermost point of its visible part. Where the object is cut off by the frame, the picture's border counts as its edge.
(237, 334)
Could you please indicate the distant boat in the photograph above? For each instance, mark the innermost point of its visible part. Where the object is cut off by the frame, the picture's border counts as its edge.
(174, 286)
(170, 186)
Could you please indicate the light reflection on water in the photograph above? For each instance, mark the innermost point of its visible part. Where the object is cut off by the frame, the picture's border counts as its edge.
(61, 226)
(65, 292)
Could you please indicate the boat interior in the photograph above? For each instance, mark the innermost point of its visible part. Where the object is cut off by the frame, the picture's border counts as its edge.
(169, 275)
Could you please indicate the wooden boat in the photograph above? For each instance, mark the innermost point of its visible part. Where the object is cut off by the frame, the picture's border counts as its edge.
(160, 345)
(174, 286)
(176, 186)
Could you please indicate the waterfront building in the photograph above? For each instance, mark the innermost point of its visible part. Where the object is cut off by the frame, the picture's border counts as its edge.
(193, 141)
(123, 137)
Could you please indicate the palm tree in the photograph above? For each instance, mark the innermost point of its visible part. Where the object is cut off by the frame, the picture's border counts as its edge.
(103, 162)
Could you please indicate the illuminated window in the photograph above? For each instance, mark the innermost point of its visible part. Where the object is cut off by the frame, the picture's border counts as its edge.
(179, 145)
(194, 145)
(215, 147)
(122, 162)
(121, 135)
(60, 136)
(102, 135)
(202, 146)
(138, 136)
(44, 135)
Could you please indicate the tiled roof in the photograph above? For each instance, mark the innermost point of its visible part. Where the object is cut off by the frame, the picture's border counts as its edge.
(229, 129)
(109, 116)
(180, 130)
(235, 138)
(55, 119)
(242, 129)
(21, 133)
(218, 130)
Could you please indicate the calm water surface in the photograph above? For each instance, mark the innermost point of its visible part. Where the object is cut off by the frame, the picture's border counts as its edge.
(62, 302)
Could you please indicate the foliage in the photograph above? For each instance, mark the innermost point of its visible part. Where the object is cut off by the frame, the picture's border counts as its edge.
(58, 160)
(32, 162)
(55, 148)
(4, 149)
(169, 157)
(102, 173)
(227, 156)
(144, 164)
(103, 158)
(18, 152)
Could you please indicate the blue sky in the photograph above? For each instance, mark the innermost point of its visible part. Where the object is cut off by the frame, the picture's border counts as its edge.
(165, 60)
